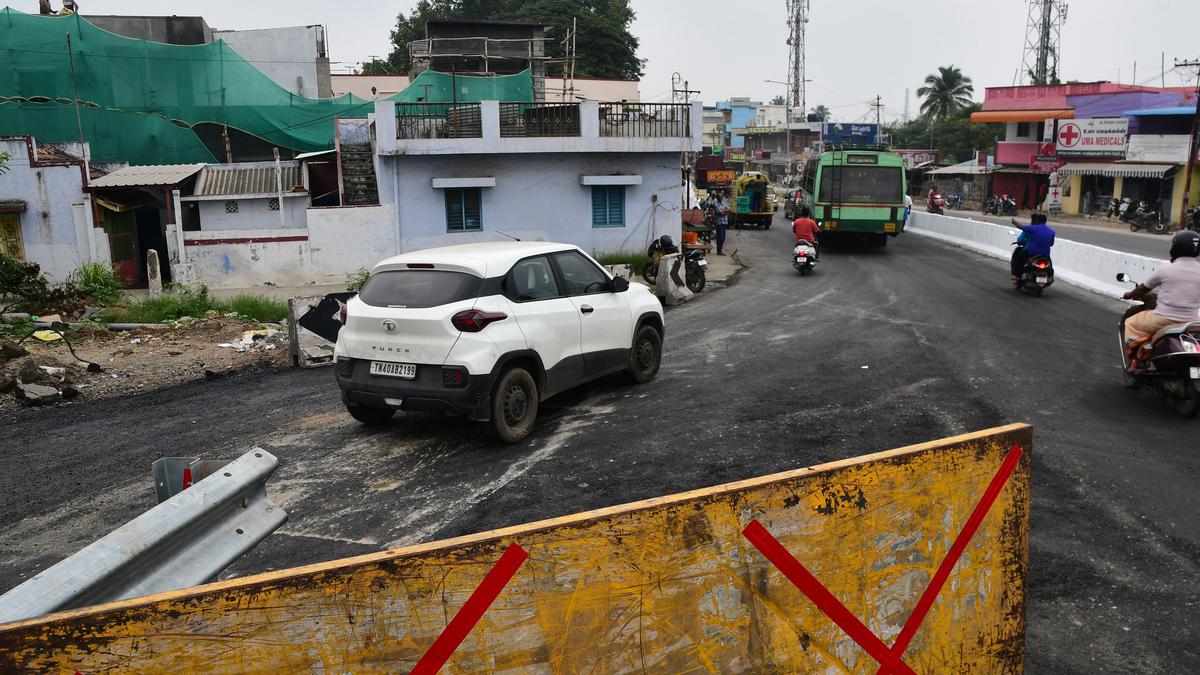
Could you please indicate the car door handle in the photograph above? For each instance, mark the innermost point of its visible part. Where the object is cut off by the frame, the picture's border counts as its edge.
(586, 309)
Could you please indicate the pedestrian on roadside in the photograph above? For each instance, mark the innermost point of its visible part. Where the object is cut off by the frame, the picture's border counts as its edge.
(69, 7)
(1087, 203)
(907, 206)
(722, 223)
(44, 8)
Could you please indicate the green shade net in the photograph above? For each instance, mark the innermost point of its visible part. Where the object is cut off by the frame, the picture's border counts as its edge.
(139, 99)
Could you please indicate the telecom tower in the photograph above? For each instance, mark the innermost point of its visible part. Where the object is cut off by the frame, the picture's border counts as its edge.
(797, 22)
(1043, 36)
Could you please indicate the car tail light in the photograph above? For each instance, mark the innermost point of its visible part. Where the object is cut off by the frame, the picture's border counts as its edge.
(342, 313)
(475, 320)
(420, 266)
(344, 367)
(454, 377)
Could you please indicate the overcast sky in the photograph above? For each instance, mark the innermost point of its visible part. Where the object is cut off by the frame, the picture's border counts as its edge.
(856, 48)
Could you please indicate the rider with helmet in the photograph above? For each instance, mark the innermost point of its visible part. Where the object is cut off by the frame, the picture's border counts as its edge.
(1178, 288)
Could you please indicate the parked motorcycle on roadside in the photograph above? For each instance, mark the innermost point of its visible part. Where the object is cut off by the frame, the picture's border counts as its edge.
(804, 257)
(693, 260)
(1170, 367)
(1145, 218)
(1038, 273)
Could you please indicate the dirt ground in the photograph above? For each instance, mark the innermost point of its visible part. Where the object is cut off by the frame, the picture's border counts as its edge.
(138, 361)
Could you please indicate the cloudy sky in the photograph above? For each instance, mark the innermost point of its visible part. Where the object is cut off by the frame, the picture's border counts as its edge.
(856, 48)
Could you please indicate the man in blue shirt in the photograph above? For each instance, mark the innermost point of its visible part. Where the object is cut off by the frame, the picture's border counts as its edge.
(1036, 238)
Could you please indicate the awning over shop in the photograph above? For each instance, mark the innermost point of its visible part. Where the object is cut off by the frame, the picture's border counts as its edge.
(148, 176)
(962, 170)
(1021, 115)
(1117, 170)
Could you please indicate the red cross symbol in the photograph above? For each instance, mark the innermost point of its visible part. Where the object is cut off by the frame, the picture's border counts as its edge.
(890, 659)
(1069, 134)
(1054, 193)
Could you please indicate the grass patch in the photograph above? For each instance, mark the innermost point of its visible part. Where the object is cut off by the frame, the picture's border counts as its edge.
(618, 258)
(196, 303)
(97, 281)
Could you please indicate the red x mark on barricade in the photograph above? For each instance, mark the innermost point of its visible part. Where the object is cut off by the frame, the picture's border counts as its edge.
(889, 659)
(470, 614)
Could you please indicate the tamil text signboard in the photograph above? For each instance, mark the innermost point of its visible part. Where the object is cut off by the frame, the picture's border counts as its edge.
(1097, 137)
(857, 134)
(917, 157)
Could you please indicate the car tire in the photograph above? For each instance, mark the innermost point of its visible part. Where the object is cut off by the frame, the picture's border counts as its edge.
(514, 405)
(646, 355)
(371, 417)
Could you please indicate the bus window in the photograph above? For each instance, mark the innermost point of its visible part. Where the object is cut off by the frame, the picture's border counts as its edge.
(810, 175)
(862, 185)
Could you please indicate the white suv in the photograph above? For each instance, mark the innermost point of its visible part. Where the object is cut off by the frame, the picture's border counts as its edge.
(489, 331)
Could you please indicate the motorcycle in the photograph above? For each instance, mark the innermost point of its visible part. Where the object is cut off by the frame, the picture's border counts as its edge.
(1008, 206)
(693, 260)
(991, 206)
(954, 202)
(1145, 218)
(1037, 275)
(1194, 220)
(1113, 205)
(936, 204)
(804, 257)
(1170, 365)
(1123, 211)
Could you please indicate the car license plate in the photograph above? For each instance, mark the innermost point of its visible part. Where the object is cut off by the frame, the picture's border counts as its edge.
(1195, 373)
(702, 262)
(1042, 280)
(407, 371)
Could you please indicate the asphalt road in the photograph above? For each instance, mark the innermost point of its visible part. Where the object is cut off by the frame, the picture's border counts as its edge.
(1118, 239)
(763, 376)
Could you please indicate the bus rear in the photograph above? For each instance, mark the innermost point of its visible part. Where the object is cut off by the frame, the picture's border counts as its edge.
(857, 192)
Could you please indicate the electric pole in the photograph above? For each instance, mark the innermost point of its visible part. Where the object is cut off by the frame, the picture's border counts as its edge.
(1192, 143)
(878, 106)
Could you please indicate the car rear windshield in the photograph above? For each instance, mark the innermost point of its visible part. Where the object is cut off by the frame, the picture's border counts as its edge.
(416, 289)
(861, 185)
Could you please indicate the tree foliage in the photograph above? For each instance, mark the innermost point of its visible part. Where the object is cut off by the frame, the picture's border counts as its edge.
(819, 114)
(778, 100)
(945, 92)
(604, 45)
(955, 136)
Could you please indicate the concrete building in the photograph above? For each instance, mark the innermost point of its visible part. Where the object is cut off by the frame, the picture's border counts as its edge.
(1051, 128)
(482, 48)
(741, 113)
(585, 88)
(295, 57)
(246, 196)
(45, 215)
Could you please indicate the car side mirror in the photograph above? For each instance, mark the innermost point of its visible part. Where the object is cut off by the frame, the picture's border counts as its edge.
(1121, 276)
(619, 285)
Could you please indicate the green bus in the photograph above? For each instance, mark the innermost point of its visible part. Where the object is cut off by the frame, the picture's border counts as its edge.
(856, 191)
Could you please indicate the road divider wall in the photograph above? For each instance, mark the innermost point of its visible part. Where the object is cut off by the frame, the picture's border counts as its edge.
(741, 577)
(1091, 267)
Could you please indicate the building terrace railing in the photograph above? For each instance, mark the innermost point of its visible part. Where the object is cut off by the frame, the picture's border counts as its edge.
(438, 120)
(544, 120)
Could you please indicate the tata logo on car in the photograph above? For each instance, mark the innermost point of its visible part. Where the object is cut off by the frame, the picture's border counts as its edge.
(389, 325)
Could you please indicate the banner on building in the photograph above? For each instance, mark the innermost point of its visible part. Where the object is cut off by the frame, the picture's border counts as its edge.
(917, 157)
(1097, 137)
(858, 134)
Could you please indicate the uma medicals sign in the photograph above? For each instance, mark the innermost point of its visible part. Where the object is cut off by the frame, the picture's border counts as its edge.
(1097, 137)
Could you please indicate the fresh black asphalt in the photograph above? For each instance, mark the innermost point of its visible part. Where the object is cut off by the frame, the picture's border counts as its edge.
(878, 349)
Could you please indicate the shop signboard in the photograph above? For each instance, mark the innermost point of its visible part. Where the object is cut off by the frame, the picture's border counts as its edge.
(1044, 163)
(736, 155)
(1096, 137)
(917, 157)
(857, 134)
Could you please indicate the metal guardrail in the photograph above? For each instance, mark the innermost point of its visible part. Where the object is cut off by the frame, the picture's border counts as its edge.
(645, 120)
(186, 540)
(539, 120)
(438, 120)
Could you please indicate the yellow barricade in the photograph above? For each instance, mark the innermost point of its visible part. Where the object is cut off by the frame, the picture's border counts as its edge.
(667, 585)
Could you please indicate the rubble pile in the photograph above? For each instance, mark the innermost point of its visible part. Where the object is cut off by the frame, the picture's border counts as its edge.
(38, 380)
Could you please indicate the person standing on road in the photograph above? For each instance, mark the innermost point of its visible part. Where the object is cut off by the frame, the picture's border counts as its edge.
(806, 229)
(1037, 239)
(907, 206)
(1178, 285)
(722, 223)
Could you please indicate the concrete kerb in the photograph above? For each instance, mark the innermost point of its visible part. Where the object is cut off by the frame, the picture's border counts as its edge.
(1084, 265)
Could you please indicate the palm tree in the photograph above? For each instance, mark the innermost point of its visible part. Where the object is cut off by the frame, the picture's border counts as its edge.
(778, 100)
(945, 93)
(819, 114)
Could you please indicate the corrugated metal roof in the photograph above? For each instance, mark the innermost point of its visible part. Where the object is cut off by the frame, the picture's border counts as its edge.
(257, 178)
(961, 170)
(1173, 110)
(134, 176)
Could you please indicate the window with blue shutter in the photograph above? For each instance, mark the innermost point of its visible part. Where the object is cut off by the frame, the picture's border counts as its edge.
(463, 210)
(608, 206)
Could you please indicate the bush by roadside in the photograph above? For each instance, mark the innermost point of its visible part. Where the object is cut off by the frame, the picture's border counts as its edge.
(196, 302)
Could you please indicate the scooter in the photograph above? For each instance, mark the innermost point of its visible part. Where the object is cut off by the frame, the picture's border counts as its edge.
(804, 257)
(1008, 206)
(936, 204)
(1170, 365)
(1038, 274)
